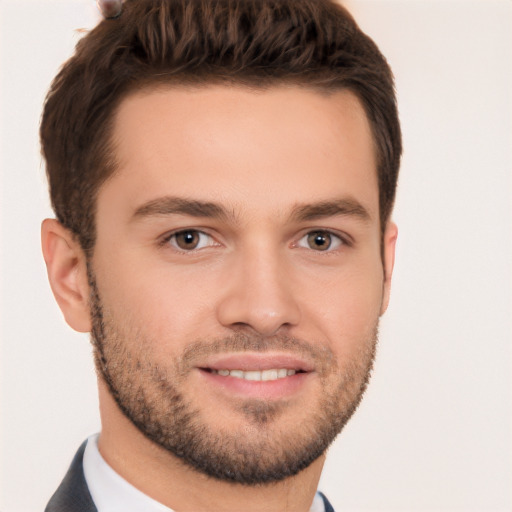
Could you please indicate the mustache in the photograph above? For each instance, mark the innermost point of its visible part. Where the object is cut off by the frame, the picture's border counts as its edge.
(320, 355)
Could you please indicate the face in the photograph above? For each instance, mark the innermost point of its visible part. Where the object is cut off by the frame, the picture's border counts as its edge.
(237, 279)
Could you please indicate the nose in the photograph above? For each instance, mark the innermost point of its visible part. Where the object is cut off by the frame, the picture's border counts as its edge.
(258, 295)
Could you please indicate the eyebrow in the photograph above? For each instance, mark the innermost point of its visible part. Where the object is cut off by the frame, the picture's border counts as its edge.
(339, 207)
(300, 213)
(181, 206)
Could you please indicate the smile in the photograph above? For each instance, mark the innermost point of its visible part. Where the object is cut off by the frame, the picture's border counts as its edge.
(255, 375)
(262, 375)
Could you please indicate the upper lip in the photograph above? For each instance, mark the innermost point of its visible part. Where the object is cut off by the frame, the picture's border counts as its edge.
(254, 361)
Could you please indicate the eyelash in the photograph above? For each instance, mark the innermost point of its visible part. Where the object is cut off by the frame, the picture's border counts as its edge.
(343, 240)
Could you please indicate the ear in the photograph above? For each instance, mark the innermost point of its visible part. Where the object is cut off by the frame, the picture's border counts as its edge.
(389, 245)
(67, 273)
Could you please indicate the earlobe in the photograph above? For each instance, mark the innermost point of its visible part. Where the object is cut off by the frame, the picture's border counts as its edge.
(389, 246)
(67, 273)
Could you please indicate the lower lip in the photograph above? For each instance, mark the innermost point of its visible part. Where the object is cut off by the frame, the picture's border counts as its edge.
(269, 389)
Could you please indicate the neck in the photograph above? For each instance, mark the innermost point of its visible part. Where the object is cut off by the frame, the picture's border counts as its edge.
(165, 478)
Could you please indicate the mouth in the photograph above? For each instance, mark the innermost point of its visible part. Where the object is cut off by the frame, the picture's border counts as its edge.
(263, 375)
(256, 375)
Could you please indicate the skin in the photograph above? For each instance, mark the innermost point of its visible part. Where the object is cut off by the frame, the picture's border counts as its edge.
(259, 155)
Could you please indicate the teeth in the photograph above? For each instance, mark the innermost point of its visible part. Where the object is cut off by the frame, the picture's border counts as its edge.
(263, 375)
(269, 374)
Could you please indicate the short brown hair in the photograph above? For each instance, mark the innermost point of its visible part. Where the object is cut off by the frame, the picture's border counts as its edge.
(259, 43)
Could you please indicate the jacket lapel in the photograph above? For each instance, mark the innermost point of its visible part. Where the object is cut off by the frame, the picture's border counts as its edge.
(73, 494)
(327, 505)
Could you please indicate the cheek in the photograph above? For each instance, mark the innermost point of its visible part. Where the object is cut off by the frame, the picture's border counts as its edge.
(161, 305)
(347, 311)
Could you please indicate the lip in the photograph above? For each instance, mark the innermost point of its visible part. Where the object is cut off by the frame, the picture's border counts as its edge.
(266, 390)
(276, 389)
(254, 361)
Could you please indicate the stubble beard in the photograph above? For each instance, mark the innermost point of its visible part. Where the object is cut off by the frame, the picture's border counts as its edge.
(151, 397)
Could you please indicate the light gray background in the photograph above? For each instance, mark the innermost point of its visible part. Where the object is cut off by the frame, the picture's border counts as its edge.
(434, 431)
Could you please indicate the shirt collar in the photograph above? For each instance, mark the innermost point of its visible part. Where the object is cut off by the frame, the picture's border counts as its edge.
(111, 492)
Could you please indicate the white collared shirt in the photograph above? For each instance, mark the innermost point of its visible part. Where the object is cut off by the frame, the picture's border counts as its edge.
(112, 493)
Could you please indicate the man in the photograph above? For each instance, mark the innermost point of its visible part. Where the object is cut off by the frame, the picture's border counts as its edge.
(223, 174)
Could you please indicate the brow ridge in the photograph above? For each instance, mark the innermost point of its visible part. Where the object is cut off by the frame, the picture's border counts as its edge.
(303, 212)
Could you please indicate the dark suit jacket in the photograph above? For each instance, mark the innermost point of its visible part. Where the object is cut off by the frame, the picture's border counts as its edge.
(73, 494)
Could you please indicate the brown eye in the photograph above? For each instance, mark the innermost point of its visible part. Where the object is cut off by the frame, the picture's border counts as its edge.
(320, 241)
(187, 240)
(190, 240)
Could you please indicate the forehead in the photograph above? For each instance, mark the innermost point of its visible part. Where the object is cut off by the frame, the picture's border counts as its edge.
(252, 149)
